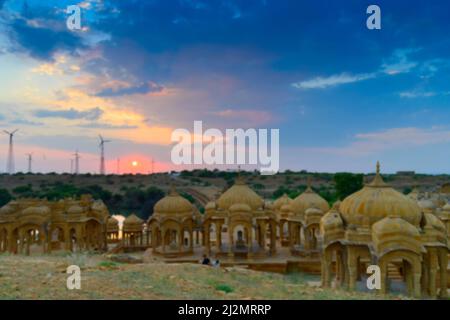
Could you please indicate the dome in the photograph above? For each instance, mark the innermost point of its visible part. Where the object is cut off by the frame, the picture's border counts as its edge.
(427, 204)
(395, 226)
(240, 193)
(43, 210)
(446, 207)
(238, 207)
(268, 205)
(432, 221)
(98, 205)
(313, 211)
(7, 209)
(331, 219)
(414, 194)
(309, 199)
(173, 203)
(113, 221)
(282, 201)
(76, 209)
(376, 201)
(331, 227)
(210, 205)
(133, 219)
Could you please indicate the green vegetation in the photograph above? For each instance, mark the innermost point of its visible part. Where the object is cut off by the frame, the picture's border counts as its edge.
(5, 197)
(347, 183)
(132, 199)
(225, 288)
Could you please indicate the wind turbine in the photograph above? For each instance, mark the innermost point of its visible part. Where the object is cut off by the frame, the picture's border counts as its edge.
(77, 162)
(102, 154)
(30, 161)
(10, 167)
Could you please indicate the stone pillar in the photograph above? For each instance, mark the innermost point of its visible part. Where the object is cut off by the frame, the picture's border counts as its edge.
(191, 240)
(263, 228)
(207, 238)
(352, 268)
(273, 239)
(219, 236)
(250, 242)
(231, 242)
(443, 263)
(180, 240)
(432, 271)
(383, 270)
(417, 284)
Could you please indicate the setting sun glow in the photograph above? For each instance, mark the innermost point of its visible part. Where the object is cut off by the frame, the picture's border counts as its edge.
(134, 163)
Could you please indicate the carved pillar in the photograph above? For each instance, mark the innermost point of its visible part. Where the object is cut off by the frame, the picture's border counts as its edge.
(383, 270)
(250, 241)
(443, 263)
(231, 241)
(432, 271)
(352, 261)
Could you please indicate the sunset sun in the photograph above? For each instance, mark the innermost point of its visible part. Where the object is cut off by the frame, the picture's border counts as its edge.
(134, 163)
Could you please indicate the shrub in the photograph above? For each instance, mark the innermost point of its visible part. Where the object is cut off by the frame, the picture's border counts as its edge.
(225, 288)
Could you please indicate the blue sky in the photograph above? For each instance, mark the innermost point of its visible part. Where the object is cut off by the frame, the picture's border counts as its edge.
(342, 96)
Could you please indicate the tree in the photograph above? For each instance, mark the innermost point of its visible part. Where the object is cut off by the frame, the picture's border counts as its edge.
(347, 183)
(5, 197)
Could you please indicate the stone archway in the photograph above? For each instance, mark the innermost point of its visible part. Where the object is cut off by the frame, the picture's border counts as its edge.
(412, 270)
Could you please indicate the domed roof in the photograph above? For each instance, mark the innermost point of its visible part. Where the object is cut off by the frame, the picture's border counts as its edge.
(395, 226)
(113, 221)
(309, 199)
(210, 205)
(332, 218)
(41, 210)
(173, 203)
(133, 219)
(240, 207)
(282, 201)
(240, 193)
(75, 209)
(414, 194)
(376, 201)
(313, 211)
(433, 221)
(7, 209)
(427, 204)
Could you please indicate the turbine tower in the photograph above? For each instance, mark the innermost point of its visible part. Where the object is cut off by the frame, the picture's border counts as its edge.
(77, 162)
(102, 154)
(10, 167)
(30, 162)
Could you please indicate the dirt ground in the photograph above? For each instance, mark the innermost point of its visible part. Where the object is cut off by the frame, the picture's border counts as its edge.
(45, 278)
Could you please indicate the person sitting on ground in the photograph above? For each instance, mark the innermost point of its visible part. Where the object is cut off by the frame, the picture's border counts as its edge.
(217, 264)
(206, 261)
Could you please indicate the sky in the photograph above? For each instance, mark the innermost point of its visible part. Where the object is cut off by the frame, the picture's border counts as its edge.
(342, 96)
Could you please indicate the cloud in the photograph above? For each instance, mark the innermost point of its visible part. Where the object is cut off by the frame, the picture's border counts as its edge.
(143, 88)
(96, 125)
(365, 144)
(417, 94)
(42, 42)
(70, 114)
(398, 63)
(334, 80)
